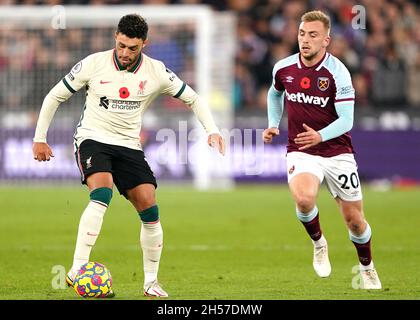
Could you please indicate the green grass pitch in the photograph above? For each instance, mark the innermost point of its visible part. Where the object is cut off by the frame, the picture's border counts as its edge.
(243, 244)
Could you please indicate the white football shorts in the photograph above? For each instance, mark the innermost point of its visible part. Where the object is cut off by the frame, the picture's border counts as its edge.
(340, 172)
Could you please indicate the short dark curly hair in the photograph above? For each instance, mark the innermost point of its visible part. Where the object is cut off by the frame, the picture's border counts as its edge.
(133, 26)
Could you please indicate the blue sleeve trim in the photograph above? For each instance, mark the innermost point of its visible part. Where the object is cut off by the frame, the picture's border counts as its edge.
(275, 106)
(343, 124)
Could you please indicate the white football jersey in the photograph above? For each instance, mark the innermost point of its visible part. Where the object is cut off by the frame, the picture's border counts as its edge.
(116, 98)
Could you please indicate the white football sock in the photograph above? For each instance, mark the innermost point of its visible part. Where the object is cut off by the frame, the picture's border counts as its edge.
(89, 228)
(370, 266)
(151, 240)
(321, 242)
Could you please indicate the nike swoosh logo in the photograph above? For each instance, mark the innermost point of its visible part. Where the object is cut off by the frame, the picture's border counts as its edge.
(92, 234)
(103, 82)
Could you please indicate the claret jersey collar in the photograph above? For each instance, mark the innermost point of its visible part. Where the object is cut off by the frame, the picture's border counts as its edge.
(316, 66)
(133, 69)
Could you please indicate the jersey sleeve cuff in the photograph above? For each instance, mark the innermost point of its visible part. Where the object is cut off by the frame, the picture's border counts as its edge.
(40, 140)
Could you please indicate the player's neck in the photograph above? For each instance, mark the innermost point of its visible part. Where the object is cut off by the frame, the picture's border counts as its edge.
(315, 60)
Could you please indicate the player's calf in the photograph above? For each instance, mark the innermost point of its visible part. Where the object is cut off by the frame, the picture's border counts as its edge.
(362, 242)
(321, 262)
(90, 225)
(362, 245)
(151, 241)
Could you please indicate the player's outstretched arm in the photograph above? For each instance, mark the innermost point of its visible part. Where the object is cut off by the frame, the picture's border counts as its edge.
(204, 115)
(42, 151)
(177, 88)
(63, 90)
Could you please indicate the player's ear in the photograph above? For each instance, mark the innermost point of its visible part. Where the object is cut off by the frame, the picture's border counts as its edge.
(145, 43)
(326, 42)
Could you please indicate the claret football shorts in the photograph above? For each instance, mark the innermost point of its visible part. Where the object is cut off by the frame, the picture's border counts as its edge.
(340, 172)
(129, 167)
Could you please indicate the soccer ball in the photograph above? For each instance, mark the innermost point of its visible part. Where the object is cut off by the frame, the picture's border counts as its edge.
(93, 281)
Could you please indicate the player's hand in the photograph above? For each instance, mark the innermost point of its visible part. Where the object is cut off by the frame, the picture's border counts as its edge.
(309, 138)
(215, 140)
(269, 133)
(42, 151)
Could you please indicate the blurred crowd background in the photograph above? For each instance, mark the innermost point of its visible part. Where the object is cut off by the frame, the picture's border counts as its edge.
(248, 38)
(383, 57)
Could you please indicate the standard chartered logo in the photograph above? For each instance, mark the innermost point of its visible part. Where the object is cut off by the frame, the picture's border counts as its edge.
(125, 105)
(104, 102)
(119, 105)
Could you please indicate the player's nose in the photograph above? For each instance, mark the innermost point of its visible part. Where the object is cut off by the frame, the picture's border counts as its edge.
(124, 53)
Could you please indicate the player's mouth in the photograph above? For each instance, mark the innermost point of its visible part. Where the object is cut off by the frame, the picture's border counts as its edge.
(125, 60)
(305, 49)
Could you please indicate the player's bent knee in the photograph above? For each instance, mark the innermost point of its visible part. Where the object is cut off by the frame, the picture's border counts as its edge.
(305, 203)
(146, 201)
(357, 227)
(101, 195)
(142, 198)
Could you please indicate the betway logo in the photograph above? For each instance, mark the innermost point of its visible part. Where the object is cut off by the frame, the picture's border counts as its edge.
(303, 98)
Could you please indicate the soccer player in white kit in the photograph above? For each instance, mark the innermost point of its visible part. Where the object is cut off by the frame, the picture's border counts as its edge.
(120, 85)
(317, 90)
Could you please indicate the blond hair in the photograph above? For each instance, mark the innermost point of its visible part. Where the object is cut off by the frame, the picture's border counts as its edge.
(317, 15)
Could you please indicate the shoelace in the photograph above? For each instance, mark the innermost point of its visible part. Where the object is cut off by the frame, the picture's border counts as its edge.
(371, 275)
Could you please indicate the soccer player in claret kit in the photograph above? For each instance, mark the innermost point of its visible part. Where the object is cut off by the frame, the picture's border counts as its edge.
(319, 96)
(120, 85)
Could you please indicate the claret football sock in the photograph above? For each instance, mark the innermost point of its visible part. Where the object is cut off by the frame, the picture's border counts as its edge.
(362, 244)
(151, 240)
(311, 223)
